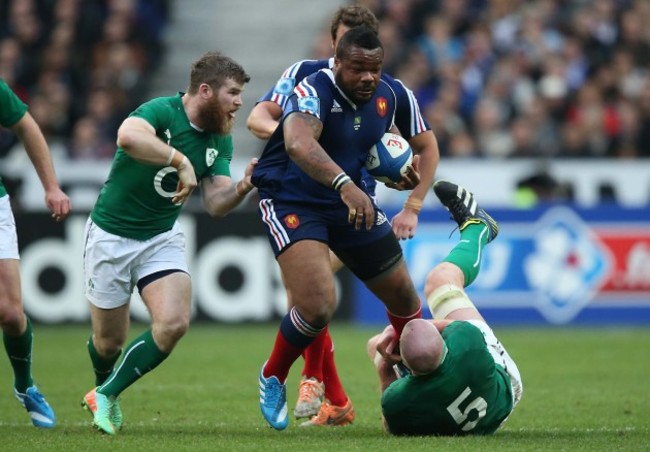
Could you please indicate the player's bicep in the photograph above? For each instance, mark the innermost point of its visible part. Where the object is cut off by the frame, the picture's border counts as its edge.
(303, 124)
(132, 131)
(301, 130)
(135, 124)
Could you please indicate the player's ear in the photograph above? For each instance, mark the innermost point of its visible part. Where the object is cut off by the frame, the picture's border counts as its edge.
(205, 90)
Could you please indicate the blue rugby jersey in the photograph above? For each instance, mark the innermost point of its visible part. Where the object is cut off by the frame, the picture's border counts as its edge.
(349, 131)
(410, 121)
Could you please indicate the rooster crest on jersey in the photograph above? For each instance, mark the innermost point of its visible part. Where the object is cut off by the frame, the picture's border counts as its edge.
(389, 159)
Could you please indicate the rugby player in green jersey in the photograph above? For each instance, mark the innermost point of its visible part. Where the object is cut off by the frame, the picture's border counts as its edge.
(133, 237)
(449, 375)
(16, 326)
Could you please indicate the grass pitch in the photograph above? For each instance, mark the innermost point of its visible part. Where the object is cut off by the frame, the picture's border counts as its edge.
(584, 389)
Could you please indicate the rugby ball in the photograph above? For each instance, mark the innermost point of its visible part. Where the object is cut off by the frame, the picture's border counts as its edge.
(389, 158)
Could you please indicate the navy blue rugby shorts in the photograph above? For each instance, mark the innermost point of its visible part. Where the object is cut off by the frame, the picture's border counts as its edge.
(288, 222)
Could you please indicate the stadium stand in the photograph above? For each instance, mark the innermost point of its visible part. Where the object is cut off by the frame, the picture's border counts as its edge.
(514, 79)
(80, 65)
(509, 85)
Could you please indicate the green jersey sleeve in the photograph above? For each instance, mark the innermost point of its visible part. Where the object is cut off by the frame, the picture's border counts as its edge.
(221, 164)
(12, 109)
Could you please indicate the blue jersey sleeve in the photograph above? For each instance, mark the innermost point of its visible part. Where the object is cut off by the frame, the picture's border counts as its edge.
(312, 96)
(408, 117)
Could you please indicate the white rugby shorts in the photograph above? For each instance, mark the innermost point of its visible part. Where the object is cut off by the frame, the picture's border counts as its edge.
(113, 265)
(502, 358)
(8, 237)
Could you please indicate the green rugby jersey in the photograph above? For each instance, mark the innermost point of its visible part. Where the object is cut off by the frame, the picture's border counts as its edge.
(12, 110)
(136, 199)
(468, 394)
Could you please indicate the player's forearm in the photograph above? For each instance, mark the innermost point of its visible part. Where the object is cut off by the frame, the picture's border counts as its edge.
(386, 376)
(261, 125)
(144, 146)
(264, 119)
(426, 146)
(314, 161)
(138, 139)
(36, 147)
(221, 201)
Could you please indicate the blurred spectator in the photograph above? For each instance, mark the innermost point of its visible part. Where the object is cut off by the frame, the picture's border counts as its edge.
(541, 187)
(88, 143)
(80, 61)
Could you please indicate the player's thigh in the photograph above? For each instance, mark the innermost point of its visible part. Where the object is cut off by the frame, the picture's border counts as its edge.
(108, 260)
(501, 357)
(168, 299)
(110, 326)
(380, 265)
(396, 290)
(308, 277)
(8, 236)
(9, 261)
(335, 262)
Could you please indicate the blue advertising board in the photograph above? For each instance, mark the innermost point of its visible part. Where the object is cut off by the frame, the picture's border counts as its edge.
(551, 265)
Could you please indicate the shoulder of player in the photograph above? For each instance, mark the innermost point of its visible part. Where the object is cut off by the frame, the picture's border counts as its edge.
(303, 68)
(164, 102)
(394, 84)
(316, 82)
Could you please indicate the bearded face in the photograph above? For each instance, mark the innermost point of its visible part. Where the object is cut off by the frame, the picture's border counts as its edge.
(215, 117)
(217, 113)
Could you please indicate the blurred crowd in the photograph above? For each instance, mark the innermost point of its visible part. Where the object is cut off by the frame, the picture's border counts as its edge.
(80, 65)
(494, 78)
(515, 78)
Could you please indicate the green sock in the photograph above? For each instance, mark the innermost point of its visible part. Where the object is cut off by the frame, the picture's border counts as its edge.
(467, 254)
(19, 351)
(103, 367)
(141, 356)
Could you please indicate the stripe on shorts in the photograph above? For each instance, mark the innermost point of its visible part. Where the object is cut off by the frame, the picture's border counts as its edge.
(275, 226)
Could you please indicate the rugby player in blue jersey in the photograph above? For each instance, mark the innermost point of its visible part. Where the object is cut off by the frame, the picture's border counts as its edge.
(312, 199)
(328, 404)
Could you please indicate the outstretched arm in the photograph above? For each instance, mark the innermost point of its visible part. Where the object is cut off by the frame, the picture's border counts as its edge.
(220, 195)
(426, 147)
(36, 147)
(264, 119)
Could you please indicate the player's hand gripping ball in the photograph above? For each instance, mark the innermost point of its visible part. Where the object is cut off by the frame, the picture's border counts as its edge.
(388, 159)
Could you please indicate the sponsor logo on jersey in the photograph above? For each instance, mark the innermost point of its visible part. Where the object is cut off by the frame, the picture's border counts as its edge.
(210, 156)
(382, 106)
(168, 134)
(292, 221)
(309, 105)
(284, 86)
(381, 218)
(336, 107)
(357, 122)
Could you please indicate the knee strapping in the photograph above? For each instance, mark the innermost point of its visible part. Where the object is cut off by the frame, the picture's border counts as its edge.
(446, 299)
